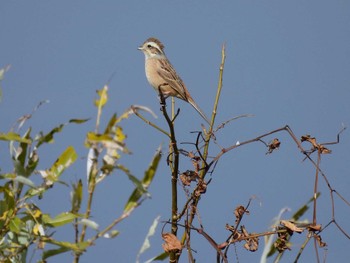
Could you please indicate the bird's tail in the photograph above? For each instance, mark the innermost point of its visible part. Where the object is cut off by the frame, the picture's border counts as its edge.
(196, 107)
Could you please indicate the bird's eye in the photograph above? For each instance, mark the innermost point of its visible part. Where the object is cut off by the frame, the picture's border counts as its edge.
(149, 45)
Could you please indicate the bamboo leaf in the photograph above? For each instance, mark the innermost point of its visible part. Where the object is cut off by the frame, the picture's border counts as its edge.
(77, 196)
(302, 210)
(16, 225)
(48, 138)
(78, 121)
(103, 97)
(151, 171)
(136, 195)
(76, 247)
(24, 180)
(111, 123)
(67, 158)
(17, 178)
(54, 252)
(59, 220)
(160, 257)
(11, 136)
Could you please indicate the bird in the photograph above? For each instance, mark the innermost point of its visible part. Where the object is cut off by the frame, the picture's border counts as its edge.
(162, 76)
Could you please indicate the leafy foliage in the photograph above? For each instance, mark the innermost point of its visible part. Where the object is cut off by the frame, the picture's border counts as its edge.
(24, 224)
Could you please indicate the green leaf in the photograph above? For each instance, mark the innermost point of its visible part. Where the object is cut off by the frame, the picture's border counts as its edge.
(54, 252)
(67, 158)
(139, 186)
(48, 138)
(59, 220)
(77, 196)
(35, 191)
(133, 200)
(24, 180)
(19, 157)
(24, 148)
(296, 216)
(16, 225)
(111, 123)
(136, 195)
(76, 247)
(78, 121)
(8, 202)
(160, 257)
(11, 136)
(32, 162)
(17, 178)
(151, 171)
(302, 210)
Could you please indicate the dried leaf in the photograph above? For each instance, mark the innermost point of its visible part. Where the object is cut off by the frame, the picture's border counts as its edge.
(319, 241)
(239, 212)
(188, 177)
(309, 139)
(291, 226)
(195, 161)
(314, 227)
(273, 145)
(322, 149)
(281, 244)
(230, 228)
(172, 244)
(233, 230)
(252, 243)
(201, 188)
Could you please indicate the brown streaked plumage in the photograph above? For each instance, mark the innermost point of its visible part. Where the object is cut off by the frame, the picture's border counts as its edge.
(162, 75)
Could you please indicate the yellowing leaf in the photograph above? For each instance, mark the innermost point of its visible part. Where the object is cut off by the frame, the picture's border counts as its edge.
(11, 136)
(67, 158)
(120, 136)
(103, 97)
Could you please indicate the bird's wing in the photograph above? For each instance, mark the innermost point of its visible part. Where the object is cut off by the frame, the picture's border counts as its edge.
(168, 73)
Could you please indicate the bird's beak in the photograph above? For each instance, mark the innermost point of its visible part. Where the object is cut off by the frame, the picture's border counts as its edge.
(140, 48)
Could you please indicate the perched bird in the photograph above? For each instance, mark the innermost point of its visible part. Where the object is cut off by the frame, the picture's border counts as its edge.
(161, 74)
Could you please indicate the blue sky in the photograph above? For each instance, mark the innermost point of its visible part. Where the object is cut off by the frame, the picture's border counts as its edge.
(287, 63)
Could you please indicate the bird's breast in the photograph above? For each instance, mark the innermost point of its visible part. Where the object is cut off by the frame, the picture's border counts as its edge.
(152, 74)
